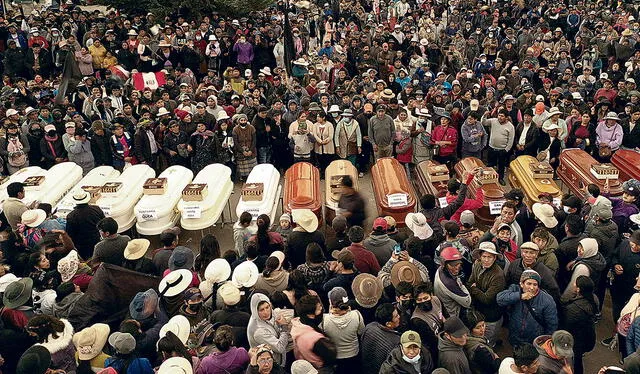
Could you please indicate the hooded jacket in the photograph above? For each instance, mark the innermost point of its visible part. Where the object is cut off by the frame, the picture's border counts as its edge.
(63, 308)
(62, 349)
(481, 357)
(381, 246)
(549, 362)
(591, 264)
(344, 331)
(267, 332)
(451, 356)
(395, 364)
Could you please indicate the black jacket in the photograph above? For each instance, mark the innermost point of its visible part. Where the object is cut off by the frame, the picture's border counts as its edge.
(631, 138)
(142, 146)
(531, 139)
(101, 148)
(81, 227)
(578, 318)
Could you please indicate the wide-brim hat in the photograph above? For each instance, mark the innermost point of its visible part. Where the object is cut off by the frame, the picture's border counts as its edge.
(17, 293)
(554, 110)
(36, 359)
(545, 213)
(68, 266)
(175, 282)
(162, 112)
(246, 274)
(176, 365)
(367, 290)
(417, 223)
(33, 217)
(612, 115)
(301, 62)
(423, 112)
(164, 44)
(266, 70)
(217, 271)
(81, 197)
(6, 280)
(548, 126)
(132, 33)
(305, 219)
(405, 271)
(229, 293)
(136, 248)
(90, 341)
(179, 325)
(488, 247)
(387, 94)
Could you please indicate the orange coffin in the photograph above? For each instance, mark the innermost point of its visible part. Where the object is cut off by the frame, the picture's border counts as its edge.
(393, 192)
(492, 191)
(302, 189)
(628, 163)
(332, 178)
(575, 171)
(431, 178)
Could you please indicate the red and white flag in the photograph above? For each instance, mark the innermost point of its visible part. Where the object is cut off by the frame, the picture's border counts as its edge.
(148, 80)
(120, 72)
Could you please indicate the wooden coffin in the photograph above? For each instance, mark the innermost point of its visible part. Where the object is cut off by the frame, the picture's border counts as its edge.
(392, 190)
(332, 179)
(522, 176)
(575, 172)
(628, 163)
(493, 192)
(302, 189)
(431, 178)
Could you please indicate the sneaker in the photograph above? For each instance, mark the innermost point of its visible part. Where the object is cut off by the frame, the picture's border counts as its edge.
(607, 342)
(360, 175)
(502, 182)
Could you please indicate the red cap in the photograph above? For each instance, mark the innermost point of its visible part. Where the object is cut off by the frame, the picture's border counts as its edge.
(547, 80)
(380, 224)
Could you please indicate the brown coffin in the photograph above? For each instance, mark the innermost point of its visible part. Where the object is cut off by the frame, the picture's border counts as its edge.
(575, 172)
(425, 185)
(391, 185)
(492, 191)
(521, 176)
(628, 163)
(302, 189)
(332, 178)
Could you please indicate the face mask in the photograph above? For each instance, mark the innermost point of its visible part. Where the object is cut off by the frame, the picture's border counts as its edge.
(566, 209)
(426, 305)
(243, 124)
(483, 60)
(469, 75)
(51, 133)
(407, 304)
(414, 360)
(36, 132)
(195, 307)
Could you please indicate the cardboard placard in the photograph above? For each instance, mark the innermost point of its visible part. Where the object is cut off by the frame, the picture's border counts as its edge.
(397, 199)
(443, 202)
(106, 209)
(496, 206)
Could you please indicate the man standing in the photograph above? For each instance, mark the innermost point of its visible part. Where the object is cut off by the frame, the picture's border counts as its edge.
(381, 133)
(13, 207)
(351, 204)
(556, 353)
(263, 131)
(82, 224)
(451, 342)
(111, 248)
(501, 136)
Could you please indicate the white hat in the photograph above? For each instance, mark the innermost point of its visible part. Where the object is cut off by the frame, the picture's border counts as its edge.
(474, 104)
(136, 248)
(489, 247)
(90, 341)
(245, 274)
(301, 61)
(266, 70)
(175, 282)
(417, 223)
(424, 41)
(33, 217)
(48, 128)
(68, 266)
(212, 37)
(612, 115)
(175, 365)
(29, 110)
(222, 115)
(539, 98)
(132, 32)
(164, 44)
(423, 112)
(545, 213)
(11, 112)
(81, 197)
(248, 73)
(217, 271)
(162, 112)
(229, 293)
(334, 109)
(179, 325)
(235, 22)
(6, 280)
(576, 96)
(305, 219)
(554, 110)
(548, 126)
(630, 80)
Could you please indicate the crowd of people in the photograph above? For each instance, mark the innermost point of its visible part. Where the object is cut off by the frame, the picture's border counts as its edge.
(413, 80)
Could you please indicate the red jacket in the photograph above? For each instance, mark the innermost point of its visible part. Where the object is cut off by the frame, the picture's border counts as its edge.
(469, 204)
(449, 134)
(366, 261)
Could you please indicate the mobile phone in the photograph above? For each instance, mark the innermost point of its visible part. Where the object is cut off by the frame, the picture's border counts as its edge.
(397, 249)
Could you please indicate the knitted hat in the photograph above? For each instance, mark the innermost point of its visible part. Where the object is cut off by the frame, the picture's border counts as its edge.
(530, 274)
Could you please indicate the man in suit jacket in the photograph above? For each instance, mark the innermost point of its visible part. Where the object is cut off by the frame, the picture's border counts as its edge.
(145, 145)
(526, 138)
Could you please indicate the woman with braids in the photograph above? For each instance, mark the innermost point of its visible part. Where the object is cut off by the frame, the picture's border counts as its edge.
(171, 346)
(297, 287)
(244, 141)
(209, 251)
(268, 241)
(273, 277)
(228, 358)
(56, 336)
(578, 317)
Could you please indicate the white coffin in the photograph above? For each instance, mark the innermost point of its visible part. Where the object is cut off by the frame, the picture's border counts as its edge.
(270, 177)
(198, 215)
(96, 177)
(58, 181)
(156, 213)
(19, 176)
(119, 205)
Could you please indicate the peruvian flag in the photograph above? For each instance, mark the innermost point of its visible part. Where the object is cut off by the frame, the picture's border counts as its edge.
(120, 72)
(148, 80)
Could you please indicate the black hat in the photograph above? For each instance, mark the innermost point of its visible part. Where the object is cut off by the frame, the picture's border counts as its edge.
(35, 360)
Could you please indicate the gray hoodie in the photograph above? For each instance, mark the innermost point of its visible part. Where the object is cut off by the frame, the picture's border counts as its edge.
(344, 331)
(381, 246)
(267, 332)
(451, 356)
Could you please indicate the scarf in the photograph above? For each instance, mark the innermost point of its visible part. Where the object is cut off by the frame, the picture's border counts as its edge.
(50, 141)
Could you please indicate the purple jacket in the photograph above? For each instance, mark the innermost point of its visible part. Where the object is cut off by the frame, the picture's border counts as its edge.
(244, 51)
(235, 360)
(610, 135)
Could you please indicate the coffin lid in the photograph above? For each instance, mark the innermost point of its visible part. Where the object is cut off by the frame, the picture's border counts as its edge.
(533, 187)
(302, 184)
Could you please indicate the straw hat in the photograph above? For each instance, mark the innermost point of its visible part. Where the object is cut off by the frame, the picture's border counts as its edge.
(301, 62)
(217, 271)
(176, 365)
(545, 213)
(387, 94)
(305, 219)
(162, 112)
(417, 223)
(405, 271)
(68, 266)
(90, 341)
(179, 325)
(246, 274)
(136, 248)
(229, 293)
(613, 116)
(81, 197)
(175, 282)
(554, 110)
(367, 290)
(33, 217)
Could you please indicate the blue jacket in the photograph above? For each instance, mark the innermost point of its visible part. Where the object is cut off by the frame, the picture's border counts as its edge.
(523, 327)
(633, 336)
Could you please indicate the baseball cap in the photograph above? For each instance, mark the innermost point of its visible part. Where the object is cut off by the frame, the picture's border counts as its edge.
(410, 338)
(454, 327)
(380, 224)
(562, 343)
(467, 218)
